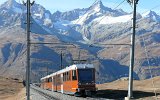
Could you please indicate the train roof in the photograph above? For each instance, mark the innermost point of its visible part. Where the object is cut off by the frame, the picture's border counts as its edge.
(72, 67)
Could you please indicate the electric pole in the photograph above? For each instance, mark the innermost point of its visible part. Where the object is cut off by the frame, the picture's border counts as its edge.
(28, 68)
(132, 49)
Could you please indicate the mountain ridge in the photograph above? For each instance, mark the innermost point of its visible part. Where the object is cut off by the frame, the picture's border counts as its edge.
(83, 28)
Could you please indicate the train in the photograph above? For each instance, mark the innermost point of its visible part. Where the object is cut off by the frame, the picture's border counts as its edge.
(77, 80)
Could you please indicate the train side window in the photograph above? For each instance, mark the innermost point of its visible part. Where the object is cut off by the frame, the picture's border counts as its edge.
(50, 79)
(47, 80)
(69, 75)
(63, 77)
(74, 76)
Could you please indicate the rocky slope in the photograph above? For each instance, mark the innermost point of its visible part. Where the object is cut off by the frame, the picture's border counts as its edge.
(83, 28)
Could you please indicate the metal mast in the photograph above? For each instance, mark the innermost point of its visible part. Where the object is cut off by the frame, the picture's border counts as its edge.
(28, 51)
(28, 68)
(132, 49)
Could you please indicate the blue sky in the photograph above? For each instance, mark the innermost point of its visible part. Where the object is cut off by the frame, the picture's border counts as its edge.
(65, 5)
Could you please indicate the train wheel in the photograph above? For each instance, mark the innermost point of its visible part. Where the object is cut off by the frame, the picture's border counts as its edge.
(78, 94)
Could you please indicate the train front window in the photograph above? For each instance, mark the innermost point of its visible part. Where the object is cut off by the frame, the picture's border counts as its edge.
(85, 75)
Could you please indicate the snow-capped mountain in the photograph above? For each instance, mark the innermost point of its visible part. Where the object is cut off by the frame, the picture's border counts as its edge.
(66, 21)
(42, 16)
(98, 7)
(95, 24)
(10, 12)
(97, 10)
(12, 5)
(152, 15)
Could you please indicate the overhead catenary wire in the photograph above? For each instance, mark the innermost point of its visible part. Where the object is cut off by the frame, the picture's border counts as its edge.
(119, 4)
(115, 4)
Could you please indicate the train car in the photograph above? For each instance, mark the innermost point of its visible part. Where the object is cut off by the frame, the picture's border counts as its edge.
(78, 79)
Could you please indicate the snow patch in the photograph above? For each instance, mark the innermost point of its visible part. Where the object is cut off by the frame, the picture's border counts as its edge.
(38, 15)
(81, 19)
(47, 21)
(63, 24)
(97, 9)
(113, 20)
(85, 39)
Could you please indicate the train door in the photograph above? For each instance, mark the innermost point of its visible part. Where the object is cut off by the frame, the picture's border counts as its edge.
(62, 83)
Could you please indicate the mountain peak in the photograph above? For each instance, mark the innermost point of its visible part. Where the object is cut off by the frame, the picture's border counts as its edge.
(152, 15)
(98, 2)
(10, 3)
(149, 14)
(97, 6)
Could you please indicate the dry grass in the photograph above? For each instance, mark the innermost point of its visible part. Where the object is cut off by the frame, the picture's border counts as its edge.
(143, 89)
(9, 88)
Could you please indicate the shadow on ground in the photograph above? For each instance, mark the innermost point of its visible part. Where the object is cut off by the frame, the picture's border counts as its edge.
(121, 94)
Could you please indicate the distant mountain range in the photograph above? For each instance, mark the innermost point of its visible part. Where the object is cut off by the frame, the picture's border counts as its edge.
(82, 27)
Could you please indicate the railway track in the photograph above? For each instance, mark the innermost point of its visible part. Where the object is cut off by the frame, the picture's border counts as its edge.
(49, 95)
(46, 95)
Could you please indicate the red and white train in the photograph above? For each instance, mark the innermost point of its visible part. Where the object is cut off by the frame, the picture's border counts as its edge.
(78, 79)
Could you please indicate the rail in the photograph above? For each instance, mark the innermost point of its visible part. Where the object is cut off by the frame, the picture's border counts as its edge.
(59, 96)
(46, 95)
